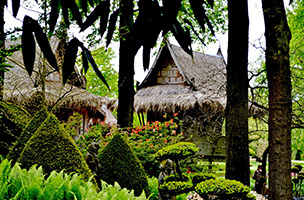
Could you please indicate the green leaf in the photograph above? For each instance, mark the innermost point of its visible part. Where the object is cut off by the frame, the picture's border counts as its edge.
(55, 8)
(65, 12)
(182, 37)
(44, 44)
(70, 59)
(28, 45)
(94, 66)
(200, 14)
(16, 6)
(98, 11)
(211, 3)
(75, 12)
(84, 6)
(112, 25)
(170, 10)
(85, 64)
(104, 16)
(193, 30)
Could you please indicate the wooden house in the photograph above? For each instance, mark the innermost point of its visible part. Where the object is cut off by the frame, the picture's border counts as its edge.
(193, 88)
(64, 101)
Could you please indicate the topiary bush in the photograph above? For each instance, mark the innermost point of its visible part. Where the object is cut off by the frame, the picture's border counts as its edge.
(53, 149)
(13, 120)
(26, 134)
(177, 152)
(120, 164)
(200, 177)
(176, 187)
(223, 189)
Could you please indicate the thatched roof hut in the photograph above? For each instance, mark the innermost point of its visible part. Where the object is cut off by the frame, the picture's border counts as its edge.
(177, 82)
(19, 88)
(194, 87)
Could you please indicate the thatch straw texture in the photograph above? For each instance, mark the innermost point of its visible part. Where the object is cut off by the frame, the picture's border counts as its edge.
(19, 86)
(204, 83)
(171, 98)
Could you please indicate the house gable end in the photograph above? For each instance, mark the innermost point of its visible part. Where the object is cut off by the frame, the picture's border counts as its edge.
(165, 70)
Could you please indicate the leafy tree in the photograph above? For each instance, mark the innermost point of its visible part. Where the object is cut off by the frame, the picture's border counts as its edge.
(94, 84)
(279, 84)
(237, 150)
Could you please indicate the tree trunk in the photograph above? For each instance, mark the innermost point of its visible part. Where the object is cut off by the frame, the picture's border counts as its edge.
(127, 51)
(2, 46)
(237, 150)
(279, 83)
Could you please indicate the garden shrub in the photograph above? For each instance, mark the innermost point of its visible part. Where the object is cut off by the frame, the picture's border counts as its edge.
(26, 134)
(146, 140)
(223, 189)
(175, 177)
(176, 187)
(53, 149)
(200, 177)
(177, 151)
(97, 133)
(17, 183)
(13, 121)
(120, 164)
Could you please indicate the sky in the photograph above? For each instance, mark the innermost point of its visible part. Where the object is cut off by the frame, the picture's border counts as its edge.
(256, 36)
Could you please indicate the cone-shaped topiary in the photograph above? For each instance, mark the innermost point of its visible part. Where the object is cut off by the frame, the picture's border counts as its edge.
(26, 134)
(13, 120)
(120, 164)
(53, 148)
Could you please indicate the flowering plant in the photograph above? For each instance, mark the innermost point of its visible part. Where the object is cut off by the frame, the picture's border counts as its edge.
(146, 140)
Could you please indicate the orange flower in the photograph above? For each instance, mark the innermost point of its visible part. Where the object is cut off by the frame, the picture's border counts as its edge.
(147, 140)
(175, 114)
(171, 121)
(182, 133)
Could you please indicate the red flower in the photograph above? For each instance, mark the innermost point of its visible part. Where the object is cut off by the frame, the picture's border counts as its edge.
(165, 141)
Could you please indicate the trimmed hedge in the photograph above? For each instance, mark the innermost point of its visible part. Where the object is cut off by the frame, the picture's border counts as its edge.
(120, 164)
(200, 177)
(177, 151)
(53, 149)
(176, 187)
(13, 120)
(224, 189)
(26, 134)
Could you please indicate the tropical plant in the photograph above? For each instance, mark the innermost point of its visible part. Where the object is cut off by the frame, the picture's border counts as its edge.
(18, 183)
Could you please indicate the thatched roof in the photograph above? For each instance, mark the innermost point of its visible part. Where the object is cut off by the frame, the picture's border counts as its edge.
(19, 86)
(203, 84)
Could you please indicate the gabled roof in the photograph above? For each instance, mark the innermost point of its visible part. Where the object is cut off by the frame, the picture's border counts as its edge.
(19, 87)
(204, 79)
